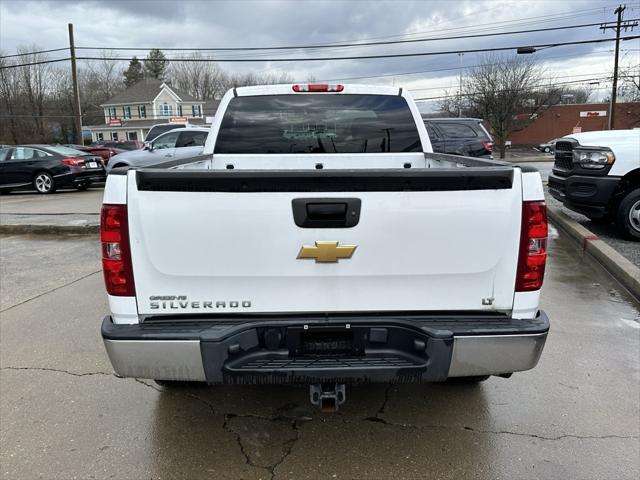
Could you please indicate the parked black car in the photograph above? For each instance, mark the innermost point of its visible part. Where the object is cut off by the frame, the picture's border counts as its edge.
(46, 168)
(459, 136)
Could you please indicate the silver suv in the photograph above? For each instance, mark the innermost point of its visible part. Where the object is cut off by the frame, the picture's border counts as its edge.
(174, 145)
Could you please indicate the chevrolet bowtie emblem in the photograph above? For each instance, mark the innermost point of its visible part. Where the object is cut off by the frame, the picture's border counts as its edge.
(327, 252)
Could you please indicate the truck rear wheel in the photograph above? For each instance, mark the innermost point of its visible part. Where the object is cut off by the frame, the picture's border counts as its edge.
(628, 215)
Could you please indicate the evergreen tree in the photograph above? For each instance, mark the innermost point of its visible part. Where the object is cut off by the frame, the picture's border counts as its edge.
(155, 65)
(134, 73)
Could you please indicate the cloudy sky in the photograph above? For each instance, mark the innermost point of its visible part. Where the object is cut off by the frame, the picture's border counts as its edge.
(215, 24)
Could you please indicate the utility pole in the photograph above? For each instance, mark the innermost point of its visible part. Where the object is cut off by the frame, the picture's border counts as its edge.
(619, 25)
(77, 114)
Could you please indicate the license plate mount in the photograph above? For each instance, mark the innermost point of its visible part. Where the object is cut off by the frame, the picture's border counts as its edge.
(326, 341)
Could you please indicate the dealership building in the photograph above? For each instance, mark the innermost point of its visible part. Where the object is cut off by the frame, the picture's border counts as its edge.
(560, 120)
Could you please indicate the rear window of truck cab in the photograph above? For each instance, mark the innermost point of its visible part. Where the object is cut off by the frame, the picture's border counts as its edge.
(317, 123)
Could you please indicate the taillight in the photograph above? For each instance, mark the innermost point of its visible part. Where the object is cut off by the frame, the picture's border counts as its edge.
(318, 87)
(488, 145)
(533, 246)
(116, 255)
(74, 162)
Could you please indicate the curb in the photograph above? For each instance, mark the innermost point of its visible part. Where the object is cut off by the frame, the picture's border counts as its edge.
(619, 267)
(27, 229)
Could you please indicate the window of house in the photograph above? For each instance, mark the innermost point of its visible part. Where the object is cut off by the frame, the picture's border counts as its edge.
(142, 111)
(166, 110)
(112, 112)
(132, 135)
(114, 136)
(195, 110)
(100, 136)
(126, 112)
(179, 110)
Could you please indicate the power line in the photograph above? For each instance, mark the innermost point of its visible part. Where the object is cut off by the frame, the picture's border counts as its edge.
(547, 85)
(35, 63)
(398, 74)
(550, 79)
(369, 57)
(362, 44)
(35, 53)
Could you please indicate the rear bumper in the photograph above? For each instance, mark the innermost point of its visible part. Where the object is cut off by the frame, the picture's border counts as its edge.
(590, 195)
(81, 177)
(380, 349)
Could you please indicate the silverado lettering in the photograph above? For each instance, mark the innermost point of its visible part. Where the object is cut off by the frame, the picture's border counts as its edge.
(155, 305)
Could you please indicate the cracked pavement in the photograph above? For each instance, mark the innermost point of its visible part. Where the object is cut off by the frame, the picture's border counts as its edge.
(65, 414)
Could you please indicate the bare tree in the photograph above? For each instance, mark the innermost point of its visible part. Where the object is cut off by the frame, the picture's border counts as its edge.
(105, 75)
(9, 92)
(201, 77)
(252, 78)
(33, 81)
(507, 92)
(629, 86)
(99, 81)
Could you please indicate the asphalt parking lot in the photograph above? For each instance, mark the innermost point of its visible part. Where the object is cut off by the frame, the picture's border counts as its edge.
(64, 414)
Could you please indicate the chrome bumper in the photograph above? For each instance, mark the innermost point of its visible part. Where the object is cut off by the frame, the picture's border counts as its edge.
(183, 360)
(495, 354)
(157, 359)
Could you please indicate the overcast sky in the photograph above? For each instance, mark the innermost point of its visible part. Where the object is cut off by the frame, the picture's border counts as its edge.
(203, 24)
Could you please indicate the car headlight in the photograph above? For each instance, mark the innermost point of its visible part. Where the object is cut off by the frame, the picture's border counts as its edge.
(593, 157)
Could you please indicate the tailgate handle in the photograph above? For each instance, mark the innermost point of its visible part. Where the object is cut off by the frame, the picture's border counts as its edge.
(326, 212)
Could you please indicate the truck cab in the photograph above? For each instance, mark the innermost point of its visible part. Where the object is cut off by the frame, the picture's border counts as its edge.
(597, 174)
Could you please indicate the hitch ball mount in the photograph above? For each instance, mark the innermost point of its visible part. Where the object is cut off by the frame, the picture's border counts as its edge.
(327, 396)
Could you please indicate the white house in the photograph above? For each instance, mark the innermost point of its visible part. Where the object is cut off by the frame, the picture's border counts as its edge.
(131, 113)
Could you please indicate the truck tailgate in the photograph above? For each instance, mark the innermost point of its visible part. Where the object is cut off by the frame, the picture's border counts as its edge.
(227, 242)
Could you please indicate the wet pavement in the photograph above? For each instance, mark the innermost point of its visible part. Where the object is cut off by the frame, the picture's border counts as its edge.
(64, 414)
(605, 231)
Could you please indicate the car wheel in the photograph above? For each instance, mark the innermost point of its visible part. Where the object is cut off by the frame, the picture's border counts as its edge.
(82, 187)
(4, 191)
(546, 150)
(44, 183)
(467, 380)
(628, 215)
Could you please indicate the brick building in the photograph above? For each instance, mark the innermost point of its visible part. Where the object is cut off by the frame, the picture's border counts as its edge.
(561, 120)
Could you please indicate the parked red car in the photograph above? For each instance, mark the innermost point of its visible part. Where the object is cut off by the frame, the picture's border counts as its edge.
(123, 145)
(103, 151)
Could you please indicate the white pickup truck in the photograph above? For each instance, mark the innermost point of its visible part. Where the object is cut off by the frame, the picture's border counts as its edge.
(598, 175)
(318, 240)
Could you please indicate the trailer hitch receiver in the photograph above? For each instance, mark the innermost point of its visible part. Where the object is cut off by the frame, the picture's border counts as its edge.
(327, 396)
